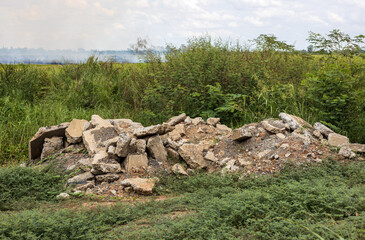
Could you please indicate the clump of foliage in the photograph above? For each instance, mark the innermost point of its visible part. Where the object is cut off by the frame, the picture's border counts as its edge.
(22, 186)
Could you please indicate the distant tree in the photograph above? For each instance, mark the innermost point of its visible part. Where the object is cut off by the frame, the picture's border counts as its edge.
(310, 48)
(270, 42)
(336, 41)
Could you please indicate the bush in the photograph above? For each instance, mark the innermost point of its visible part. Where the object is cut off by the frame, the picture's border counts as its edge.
(25, 185)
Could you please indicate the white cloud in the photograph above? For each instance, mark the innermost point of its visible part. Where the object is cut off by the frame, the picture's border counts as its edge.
(108, 12)
(119, 26)
(104, 24)
(334, 17)
(256, 21)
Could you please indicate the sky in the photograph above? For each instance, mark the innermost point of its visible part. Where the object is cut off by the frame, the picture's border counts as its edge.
(116, 24)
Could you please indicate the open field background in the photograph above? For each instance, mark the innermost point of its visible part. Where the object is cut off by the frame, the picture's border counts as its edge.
(208, 79)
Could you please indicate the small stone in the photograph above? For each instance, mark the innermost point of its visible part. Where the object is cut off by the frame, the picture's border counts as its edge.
(197, 121)
(346, 152)
(244, 162)
(210, 157)
(317, 134)
(63, 196)
(140, 185)
(287, 155)
(178, 169)
(213, 121)
(81, 178)
(111, 150)
(188, 121)
(113, 192)
(223, 129)
(284, 146)
(85, 187)
(280, 135)
(263, 154)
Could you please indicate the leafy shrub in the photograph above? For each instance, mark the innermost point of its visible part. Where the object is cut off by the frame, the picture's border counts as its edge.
(25, 184)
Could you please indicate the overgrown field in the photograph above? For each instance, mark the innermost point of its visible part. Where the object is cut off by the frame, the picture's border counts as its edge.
(314, 202)
(202, 79)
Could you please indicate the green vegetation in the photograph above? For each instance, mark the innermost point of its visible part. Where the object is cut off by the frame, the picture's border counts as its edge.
(203, 78)
(22, 187)
(314, 202)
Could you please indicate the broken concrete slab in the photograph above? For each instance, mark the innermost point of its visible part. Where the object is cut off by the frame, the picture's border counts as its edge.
(147, 131)
(123, 145)
(172, 154)
(137, 146)
(243, 133)
(178, 169)
(273, 125)
(338, 140)
(109, 177)
(323, 129)
(193, 155)
(82, 178)
(51, 145)
(74, 131)
(177, 133)
(97, 121)
(95, 139)
(136, 161)
(141, 185)
(293, 121)
(356, 147)
(176, 120)
(210, 156)
(35, 145)
(103, 164)
(156, 148)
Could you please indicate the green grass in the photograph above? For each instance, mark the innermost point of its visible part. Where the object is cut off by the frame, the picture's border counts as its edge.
(313, 202)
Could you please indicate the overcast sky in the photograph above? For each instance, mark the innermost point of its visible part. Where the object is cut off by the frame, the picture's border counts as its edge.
(116, 24)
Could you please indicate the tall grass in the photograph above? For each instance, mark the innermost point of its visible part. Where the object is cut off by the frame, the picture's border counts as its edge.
(205, 78)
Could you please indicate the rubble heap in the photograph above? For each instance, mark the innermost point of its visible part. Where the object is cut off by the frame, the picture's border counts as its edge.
(118, 156)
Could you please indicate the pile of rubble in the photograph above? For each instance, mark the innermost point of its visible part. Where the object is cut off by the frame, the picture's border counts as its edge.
(119, 156)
